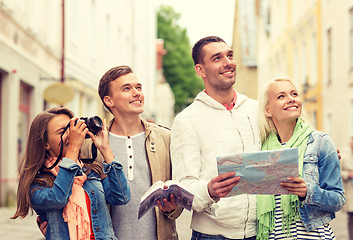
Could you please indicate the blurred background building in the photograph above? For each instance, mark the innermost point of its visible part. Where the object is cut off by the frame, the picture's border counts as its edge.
(309, 40)
(53, 53)
(245, 46)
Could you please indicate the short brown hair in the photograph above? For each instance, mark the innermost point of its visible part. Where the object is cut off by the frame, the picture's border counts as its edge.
(197, 48)
(108, 77)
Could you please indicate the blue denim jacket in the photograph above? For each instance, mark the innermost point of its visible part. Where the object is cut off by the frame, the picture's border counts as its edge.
(49, 202)
(322, 174)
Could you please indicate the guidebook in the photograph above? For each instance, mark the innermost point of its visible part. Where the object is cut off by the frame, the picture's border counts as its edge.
(157, 192)
(261, 172)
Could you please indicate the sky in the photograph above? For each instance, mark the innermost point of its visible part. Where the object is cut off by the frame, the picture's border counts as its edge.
(205, 17)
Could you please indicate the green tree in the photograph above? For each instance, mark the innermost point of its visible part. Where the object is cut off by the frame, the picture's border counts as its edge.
(178, 66)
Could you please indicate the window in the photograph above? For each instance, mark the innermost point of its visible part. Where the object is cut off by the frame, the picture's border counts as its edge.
(328, 127)
(314, 119)
(351, 38)
(329, 56)
(351, 118)
(314, 69)
(74, 23)
(24, 117)
(304, 77)
(0, 121)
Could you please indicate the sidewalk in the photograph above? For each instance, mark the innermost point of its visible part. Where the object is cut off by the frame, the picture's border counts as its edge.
(338, 225)
(18, 229)
(27, 228)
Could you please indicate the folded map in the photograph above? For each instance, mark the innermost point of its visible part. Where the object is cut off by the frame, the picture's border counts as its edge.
(261, 172)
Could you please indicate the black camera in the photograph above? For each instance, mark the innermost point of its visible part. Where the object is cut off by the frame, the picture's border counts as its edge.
(94, 124)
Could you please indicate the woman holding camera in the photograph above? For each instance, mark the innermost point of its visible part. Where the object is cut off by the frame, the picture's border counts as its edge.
(70, 196)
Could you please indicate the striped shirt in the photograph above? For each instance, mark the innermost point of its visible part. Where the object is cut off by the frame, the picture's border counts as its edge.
(297, 229)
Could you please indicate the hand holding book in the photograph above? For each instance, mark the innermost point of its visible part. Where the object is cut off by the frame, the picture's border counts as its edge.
(158, 193)
(166, 205)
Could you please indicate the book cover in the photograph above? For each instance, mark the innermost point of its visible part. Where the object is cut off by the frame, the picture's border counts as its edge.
(157, 192)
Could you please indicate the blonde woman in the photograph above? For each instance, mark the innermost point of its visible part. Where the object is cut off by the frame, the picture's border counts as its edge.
(317, 193)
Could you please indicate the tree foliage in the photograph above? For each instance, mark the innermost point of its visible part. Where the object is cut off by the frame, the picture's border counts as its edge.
(178, 66)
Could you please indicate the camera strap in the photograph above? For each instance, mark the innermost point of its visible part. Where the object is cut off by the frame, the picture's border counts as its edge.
(61, 149)
(94, 155)
(84, 160)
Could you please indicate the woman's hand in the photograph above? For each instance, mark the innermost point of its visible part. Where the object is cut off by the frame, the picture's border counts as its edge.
(101, 138)
(296, 185)
(101, 141)
(76, 136)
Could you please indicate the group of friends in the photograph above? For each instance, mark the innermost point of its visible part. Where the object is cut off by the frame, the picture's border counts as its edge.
(76, 200)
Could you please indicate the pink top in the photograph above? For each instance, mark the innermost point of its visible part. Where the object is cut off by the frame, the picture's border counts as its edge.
(231, 105)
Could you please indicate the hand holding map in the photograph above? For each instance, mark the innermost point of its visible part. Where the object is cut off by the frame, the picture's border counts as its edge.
(261, 172)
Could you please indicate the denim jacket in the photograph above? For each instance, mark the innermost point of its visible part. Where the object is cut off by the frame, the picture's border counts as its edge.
(49, 202)
(322, 174)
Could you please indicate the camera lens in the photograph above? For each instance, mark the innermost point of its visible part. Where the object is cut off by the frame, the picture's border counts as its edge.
(94, 124)
(97, 121)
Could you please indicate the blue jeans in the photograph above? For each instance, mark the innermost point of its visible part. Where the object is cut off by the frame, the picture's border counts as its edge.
(202, 236)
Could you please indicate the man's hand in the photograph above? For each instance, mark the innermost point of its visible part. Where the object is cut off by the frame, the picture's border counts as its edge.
(350, 175)
(339, 154)
(42, 225)
(221, 185)
(167, 206)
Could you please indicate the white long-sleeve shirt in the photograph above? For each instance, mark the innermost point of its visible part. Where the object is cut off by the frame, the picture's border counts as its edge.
(200, 133)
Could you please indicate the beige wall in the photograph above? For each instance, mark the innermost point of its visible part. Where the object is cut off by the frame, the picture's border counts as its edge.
(98, 35)
(246, 78)
(337, 95)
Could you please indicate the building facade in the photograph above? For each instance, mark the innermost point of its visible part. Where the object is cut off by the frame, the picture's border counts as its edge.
(337, 71)
(75, 42)
(245, 46)
(289, 44)
(312, 42)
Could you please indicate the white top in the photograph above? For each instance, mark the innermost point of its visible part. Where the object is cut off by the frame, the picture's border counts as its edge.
(131, 153)
(200, 133)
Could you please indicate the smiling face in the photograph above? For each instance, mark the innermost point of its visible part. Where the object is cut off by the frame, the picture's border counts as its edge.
(284, 103)
(126, 96)
(55, 128)
(218, 67)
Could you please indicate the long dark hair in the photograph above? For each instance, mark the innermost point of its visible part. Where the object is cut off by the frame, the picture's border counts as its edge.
(31, 167)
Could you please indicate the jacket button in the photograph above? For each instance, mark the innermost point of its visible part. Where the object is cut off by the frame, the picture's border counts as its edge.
(95, 211)
(97, 229)
(152, 143)
(92, 191)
